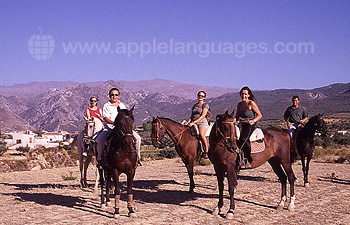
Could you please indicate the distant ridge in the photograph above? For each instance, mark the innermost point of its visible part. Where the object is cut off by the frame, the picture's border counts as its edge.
(58, 108)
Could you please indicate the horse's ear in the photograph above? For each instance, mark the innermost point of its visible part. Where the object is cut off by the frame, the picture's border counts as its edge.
(322, 114)
(153, 118)
(232, 114)
(132, 109)
(226, 113)
(85, 118)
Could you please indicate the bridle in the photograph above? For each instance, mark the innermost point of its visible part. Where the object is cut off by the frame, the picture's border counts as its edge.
(227, 139)
(162, 133)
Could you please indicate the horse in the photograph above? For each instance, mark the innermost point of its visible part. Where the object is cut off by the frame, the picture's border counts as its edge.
(305, 143)
(186, 145)
(223, 154)
(91, 129)
(121, 158)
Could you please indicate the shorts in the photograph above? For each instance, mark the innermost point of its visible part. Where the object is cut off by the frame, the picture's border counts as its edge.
(203, 123)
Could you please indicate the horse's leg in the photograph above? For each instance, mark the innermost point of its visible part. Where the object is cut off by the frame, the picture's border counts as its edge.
(108, 186)
(189, 167)
(306, 179)
(232, 182)
(291, 178)
(116, 191)
(130, 179)
(96, 181)
(302, 158)
(81, 168)
(276, 166)
(86, 166)
(220, 177)
(100, 171)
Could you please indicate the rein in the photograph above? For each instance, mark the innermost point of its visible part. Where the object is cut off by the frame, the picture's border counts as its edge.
(173, 137)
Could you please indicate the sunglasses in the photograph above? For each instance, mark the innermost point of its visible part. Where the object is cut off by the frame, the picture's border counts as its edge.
(93, 101)
(114, 95)
(201, 96)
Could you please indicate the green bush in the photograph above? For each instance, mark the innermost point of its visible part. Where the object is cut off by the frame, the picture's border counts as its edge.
(23, 149)
(168, 153)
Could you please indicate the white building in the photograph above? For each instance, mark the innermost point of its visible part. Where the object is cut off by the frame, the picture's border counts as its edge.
(32, 140)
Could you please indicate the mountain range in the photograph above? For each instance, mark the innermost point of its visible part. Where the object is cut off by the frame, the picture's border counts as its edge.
(60, 105)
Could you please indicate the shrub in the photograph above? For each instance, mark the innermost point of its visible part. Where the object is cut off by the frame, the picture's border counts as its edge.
(169, 153)
(3, 149)
(23, 149)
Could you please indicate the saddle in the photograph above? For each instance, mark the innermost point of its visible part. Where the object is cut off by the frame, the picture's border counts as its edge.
(256, 136)
(195, 132)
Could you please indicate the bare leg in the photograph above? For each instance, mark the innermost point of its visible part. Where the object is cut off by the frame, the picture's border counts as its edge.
(202, 131)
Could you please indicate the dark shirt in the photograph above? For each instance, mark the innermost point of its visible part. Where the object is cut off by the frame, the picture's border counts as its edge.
(197, 110)
(295, 115)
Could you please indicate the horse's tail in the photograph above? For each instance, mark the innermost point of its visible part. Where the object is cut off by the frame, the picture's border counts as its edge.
(293, 152)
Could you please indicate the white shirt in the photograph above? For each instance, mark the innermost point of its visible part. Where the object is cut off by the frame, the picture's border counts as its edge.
(111, 111)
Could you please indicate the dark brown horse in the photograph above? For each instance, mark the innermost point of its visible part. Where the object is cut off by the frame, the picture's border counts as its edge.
(122, 157)
(306, 144)
(224, 158)
(186, 145)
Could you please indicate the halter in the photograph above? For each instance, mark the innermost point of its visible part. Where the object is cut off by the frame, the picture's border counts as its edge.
(225, 139)
(162, 130)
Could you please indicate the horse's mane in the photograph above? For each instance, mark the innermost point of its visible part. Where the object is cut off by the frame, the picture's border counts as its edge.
(163, 118)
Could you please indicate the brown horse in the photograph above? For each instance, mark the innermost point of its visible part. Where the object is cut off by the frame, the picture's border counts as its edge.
(224, 158)
(306, 144)
(186, 145)
(121, 157)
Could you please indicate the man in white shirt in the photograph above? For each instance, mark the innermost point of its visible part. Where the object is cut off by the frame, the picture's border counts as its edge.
(110, 112)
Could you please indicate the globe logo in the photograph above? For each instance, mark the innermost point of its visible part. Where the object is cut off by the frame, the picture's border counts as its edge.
(41, 46)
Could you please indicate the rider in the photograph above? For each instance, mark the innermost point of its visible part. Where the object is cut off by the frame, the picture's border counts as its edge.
(110, 112)
(295, 116)
(198, 117)
(92, 111)
(247, 114)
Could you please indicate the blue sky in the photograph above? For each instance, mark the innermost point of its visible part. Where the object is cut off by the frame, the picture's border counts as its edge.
(248, 30)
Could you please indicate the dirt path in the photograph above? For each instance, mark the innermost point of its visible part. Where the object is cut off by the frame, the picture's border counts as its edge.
(160, 192)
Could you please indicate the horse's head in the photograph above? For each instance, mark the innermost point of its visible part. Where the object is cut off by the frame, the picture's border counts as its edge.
(157, 131)
(124, 122)
(225, 128)
(319, 124)
(89, 127)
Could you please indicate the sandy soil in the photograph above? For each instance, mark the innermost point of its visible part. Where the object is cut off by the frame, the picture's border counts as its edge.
(160, 192)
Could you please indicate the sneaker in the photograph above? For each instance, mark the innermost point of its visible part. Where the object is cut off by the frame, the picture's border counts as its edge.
(85, 154)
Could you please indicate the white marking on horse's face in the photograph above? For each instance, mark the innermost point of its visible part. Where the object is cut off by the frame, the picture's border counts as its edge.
(90, 128)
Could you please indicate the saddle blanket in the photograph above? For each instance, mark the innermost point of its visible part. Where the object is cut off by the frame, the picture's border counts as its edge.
(256, 135)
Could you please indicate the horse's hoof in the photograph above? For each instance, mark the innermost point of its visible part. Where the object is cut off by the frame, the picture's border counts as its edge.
(132, 214)
(216, 211)
(291, 207)
(229, 215)
(280, 206)
(103, 206)
(107, 204)
(307, 184)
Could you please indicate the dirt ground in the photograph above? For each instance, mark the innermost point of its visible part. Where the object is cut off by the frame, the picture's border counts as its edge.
(160, 193)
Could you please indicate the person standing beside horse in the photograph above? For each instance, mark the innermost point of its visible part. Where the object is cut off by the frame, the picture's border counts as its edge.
(199, 115)
(110, 112)
(248, 114)
(295, 116)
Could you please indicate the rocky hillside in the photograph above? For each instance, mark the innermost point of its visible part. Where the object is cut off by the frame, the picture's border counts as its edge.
(61, 108)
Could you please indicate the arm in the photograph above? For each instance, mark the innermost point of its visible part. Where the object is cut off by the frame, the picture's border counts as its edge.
(257, 111)
(305, 117)
(100, 117)
(87, 113)
(286, 118)
(237, 110)
(107, 114)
